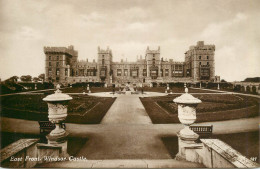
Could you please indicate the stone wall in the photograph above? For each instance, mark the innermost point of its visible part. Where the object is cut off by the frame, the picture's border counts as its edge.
(214, 153)
(20, 154)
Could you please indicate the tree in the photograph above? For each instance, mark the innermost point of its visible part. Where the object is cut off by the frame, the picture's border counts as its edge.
(13, 79)
(26, 78)
(36, 79)
(223, 80)
(41, 76)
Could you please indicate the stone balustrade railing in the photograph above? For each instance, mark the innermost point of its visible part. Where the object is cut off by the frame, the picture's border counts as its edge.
(214, 153)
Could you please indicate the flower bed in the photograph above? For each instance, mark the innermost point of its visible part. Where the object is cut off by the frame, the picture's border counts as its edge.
(31, 107)
(214, 107)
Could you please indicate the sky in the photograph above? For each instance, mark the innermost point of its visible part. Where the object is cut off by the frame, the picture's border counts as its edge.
(128, 27)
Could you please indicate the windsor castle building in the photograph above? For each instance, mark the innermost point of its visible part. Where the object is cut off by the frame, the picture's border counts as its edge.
(62, 66)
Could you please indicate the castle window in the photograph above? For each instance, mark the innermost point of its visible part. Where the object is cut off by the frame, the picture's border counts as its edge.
(153, 55)
(161, 72)
(57, 63)
(207, 63)
(49, 63)
(50, 72)
(57, 72)
(57, 57)
(166, 72)
(200, 63)
(103, 62)
(134, 73)
(153, 61)
(144, 72)
(199, 57)
(119, 72)
(49, 57)
(126, 72)
(66, 72)
(207, 57)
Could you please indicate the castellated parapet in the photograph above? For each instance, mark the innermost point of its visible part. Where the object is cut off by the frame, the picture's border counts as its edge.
(70, 50)
(63, 66)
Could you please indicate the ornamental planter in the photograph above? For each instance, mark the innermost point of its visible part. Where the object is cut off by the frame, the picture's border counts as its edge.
(57, 110)
(187, 114)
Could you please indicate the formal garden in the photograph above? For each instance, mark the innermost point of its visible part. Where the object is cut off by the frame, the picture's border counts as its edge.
(214, 107)
(82, 109)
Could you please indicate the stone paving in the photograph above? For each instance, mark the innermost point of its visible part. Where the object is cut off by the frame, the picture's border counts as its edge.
(125, 142)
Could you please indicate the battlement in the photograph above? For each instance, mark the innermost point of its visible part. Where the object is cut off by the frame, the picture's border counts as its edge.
(153, 51)
(70, 50)
(201, 46)
(106, 51)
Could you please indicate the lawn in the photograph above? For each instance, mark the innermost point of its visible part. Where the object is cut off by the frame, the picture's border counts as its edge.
(174, 90)
(248, 144)
(82, 109)
(92, 89)
(146, 89)
(214, 107)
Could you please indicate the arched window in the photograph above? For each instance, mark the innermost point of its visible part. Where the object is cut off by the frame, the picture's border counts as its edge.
(200, 63)
(199, 57)
(49, 57)
(207, 57)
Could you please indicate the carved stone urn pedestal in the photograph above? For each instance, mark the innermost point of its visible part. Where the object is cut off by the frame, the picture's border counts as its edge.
(187, 115)
(57, 113)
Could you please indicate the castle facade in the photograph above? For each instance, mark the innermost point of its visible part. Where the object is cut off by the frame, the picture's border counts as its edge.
(62, 66)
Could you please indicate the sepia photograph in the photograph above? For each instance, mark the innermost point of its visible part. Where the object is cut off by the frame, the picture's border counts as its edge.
(129, 83)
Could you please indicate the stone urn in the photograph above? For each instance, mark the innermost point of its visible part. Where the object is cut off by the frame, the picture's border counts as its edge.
(187, 114)
(57, 110)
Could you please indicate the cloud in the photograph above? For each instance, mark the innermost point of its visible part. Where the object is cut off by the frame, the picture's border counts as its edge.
(27, 33)
(215, 30)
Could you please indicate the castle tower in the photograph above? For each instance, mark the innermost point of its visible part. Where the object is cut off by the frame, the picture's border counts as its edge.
(152, 58)
(200, 62)
(60, 63)
(105, 59)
